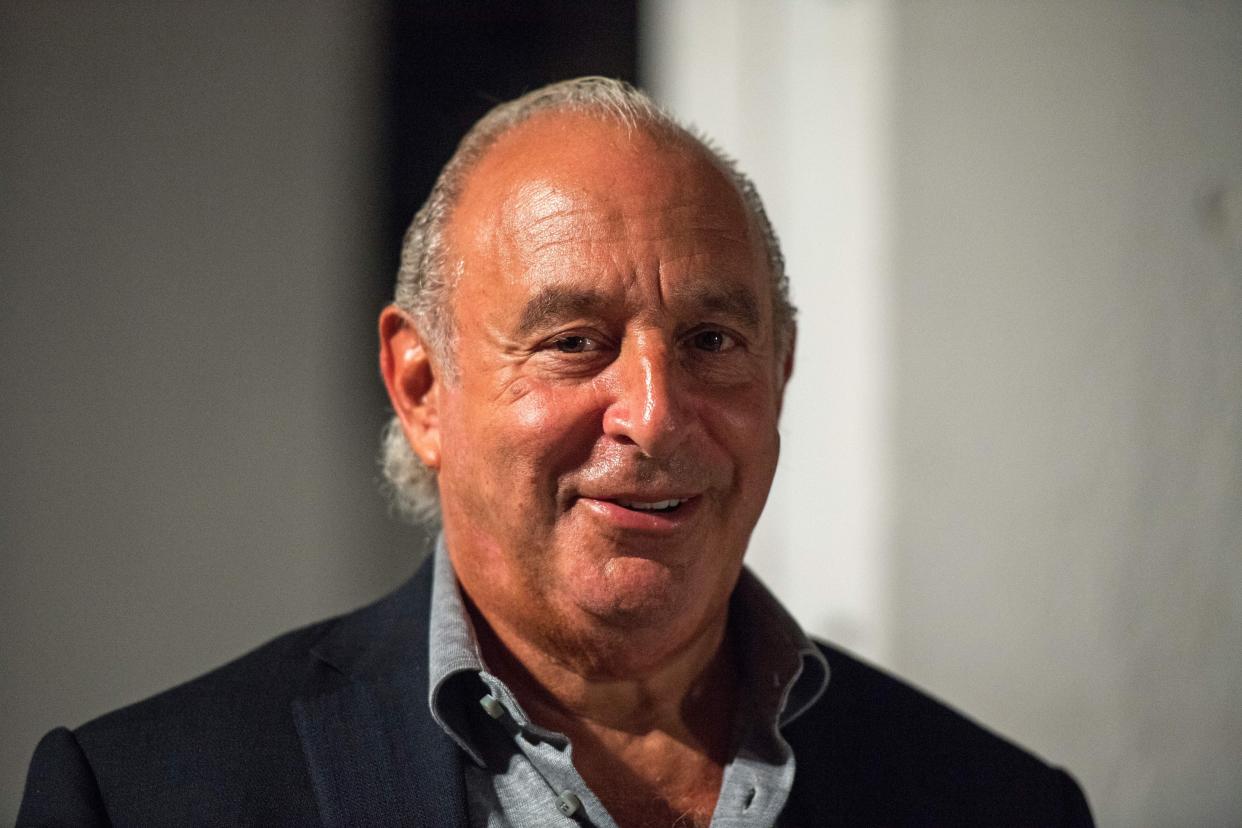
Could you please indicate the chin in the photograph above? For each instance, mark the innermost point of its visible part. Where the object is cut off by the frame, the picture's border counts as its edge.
(631, 615)
(626, 644)
(636, 594)
(631, 585)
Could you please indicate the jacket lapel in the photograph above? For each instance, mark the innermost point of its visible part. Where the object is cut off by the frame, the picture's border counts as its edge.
(376, 757)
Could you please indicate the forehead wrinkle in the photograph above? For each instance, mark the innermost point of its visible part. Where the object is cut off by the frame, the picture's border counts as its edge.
(537, 239)
(554, 221)
(536, 204)
(545, 213)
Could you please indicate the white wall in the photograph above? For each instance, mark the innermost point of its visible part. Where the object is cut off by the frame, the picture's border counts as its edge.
(1068, 545)
(189, 404)
(1027, 220)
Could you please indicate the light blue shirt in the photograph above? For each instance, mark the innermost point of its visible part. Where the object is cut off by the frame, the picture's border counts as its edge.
(521, 774)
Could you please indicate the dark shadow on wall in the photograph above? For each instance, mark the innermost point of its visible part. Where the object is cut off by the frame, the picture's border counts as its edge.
(451, 62)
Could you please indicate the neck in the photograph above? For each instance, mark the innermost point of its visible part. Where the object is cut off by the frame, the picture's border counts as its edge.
(691, 687)
(651, 738)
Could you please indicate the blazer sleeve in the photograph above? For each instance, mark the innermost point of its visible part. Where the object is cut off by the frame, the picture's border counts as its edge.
(60, 787)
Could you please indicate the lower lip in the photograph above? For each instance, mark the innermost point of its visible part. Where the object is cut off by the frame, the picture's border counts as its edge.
(622, 518)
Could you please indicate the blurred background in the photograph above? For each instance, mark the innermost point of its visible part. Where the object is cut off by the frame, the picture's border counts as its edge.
(1013, 442)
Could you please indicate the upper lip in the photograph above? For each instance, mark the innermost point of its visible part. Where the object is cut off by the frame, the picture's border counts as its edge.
(639, 497)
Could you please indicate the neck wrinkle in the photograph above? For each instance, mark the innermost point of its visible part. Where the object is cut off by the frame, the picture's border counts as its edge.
(557, 696)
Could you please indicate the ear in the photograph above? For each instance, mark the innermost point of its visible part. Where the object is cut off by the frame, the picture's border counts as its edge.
(786, 368)
(412, 383)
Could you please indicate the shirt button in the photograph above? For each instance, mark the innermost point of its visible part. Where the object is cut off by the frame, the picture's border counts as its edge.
(493, 707)
(568, 803)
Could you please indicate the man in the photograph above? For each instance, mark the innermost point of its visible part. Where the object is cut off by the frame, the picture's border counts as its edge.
(586, 360)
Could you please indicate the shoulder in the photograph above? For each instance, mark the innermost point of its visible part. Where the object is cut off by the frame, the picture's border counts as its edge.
(259, 687)
(874, 748)
(200, 752)
(249, 689)
(212, 748)
(223, 744)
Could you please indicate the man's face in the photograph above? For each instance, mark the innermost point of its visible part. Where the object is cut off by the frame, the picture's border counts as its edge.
(611, 435)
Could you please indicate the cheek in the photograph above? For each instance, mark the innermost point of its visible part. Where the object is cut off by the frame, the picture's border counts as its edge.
(746, 425)
(533, 430)
(530, 410)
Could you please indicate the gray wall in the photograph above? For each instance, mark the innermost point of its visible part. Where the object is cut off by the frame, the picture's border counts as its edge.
(1068, 392)
(189, 401)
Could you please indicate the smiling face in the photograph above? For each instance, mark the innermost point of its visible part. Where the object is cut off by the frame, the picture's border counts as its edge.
(610, 437)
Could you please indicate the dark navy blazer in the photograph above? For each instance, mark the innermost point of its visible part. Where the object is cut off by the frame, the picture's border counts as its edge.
(329, 725)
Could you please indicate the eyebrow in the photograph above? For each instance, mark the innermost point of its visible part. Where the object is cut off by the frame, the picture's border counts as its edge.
(554, 303)
(736, 302)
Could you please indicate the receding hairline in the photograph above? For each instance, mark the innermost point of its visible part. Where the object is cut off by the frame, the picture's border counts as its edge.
(502, 155)
(502, 152)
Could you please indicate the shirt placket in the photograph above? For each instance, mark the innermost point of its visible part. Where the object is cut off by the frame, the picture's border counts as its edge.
(571, 802)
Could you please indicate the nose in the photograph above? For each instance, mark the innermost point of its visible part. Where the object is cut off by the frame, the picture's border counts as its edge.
(648, 405)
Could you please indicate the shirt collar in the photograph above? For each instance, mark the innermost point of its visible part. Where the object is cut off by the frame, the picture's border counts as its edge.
(784, 672)
(453, 650)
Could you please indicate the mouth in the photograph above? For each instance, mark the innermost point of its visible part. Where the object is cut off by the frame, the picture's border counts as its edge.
(643, 513)
(660, 506)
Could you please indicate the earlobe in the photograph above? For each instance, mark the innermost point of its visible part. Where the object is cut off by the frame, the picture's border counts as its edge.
(413, 387)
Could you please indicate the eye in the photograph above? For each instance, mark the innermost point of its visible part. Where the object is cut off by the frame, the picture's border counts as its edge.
(712, 340)
(574, 344)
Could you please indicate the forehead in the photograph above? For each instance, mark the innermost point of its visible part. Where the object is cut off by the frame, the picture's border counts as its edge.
(572, 183)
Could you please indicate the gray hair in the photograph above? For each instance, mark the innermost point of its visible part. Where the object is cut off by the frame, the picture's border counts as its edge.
(428, 272)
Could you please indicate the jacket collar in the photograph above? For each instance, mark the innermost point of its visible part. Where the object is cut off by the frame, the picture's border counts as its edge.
(376, 757)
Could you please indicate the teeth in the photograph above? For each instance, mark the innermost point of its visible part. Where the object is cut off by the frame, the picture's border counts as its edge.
(651, 507)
